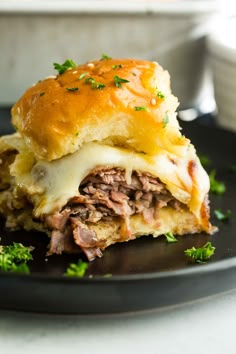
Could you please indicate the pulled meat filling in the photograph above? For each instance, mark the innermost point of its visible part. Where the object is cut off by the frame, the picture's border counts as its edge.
(105, 195)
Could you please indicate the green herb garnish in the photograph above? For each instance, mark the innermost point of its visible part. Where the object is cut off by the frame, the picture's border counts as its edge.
(72, 89)
(201, 254)
(82, 76)
(13, 258)
(170, 238)
(105, 57)
(165, 120)
(68, 64)
(220, 215)
(204, 159)
(160, 95)
(118, 66)
(94, 84)
(42, 94)
(77, 269)
(140, 108)
(118, 81)
(216, 186)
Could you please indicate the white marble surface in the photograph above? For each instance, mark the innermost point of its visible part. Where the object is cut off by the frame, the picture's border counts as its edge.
(207, 326)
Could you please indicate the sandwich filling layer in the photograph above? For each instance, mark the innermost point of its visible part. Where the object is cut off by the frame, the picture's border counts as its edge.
(101, 195)
(104, 196)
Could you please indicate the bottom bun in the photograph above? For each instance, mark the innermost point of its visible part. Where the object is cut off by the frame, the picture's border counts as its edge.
(179, 222)
(93, 238)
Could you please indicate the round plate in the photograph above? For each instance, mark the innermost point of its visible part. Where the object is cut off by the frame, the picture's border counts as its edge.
(145, 273)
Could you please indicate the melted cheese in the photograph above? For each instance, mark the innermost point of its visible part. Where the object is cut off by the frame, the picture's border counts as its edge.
(51, 184)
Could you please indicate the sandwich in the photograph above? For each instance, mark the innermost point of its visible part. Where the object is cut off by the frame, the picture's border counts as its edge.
(98, 157)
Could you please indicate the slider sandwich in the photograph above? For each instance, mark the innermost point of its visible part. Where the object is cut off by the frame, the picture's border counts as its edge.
(98, 158)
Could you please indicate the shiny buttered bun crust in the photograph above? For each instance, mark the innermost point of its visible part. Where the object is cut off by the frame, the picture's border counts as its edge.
(119, 102)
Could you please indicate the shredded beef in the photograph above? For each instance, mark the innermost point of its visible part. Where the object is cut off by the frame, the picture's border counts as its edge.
(62, 242)
(105, 194)
(83, 236)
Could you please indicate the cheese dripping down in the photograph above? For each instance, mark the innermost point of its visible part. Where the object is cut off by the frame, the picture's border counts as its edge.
(51, 184)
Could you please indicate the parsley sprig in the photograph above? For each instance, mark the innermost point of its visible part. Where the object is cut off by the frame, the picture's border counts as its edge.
(170, 238)
(140, 108)
(94, 84)
(68, 64)
(77, 269)
(201, 254)
(72, 89)
(117, 66)
(82, 76)
(105, 57)
(222, 216)
(216, 187)
(14, 258)
(160, 94)
(119, 81)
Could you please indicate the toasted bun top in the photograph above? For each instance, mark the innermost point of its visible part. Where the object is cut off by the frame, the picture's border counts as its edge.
(58, 115)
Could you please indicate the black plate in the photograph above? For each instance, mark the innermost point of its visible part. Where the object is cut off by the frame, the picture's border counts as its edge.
(146, 273)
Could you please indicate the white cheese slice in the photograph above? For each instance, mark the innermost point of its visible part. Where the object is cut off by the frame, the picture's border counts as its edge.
(51, 184)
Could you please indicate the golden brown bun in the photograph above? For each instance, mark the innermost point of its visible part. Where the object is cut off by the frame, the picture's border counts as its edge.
(179, 222)
(55, 122)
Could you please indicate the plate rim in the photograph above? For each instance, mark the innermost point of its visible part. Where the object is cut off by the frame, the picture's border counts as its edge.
(220, 265)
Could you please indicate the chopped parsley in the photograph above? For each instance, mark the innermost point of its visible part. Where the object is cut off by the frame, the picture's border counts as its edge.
(165, 120)
(220, 215)
(204, 159)
(94, 84)
(201, 254)
(140, 108)
(119, 81)
(82, 76)
(42, 94)
(68, 64)
(118, 66)
(105, 57)
(160, 95)
(170, 238)
(72, 89)
(13, 258)
(216, 187)
(77, 269)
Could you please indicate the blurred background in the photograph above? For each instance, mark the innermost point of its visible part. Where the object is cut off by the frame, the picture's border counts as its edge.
(34, 34)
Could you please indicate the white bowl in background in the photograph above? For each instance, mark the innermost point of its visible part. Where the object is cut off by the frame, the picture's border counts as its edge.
(34, 34)
(221, 45)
